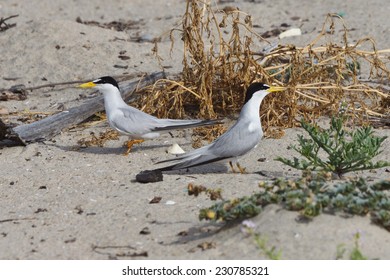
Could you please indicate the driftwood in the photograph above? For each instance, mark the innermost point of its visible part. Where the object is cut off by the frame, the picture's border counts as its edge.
(47, 128)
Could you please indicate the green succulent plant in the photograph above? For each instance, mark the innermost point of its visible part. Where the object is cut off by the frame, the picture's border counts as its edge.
(311, 195)
(346, 151)
(355, 253)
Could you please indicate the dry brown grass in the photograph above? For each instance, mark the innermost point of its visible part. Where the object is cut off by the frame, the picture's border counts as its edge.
(222, 57)
(98, 141)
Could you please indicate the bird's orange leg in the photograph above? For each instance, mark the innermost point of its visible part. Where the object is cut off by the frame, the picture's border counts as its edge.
(242, 169)
(129, 144)
(232, 167)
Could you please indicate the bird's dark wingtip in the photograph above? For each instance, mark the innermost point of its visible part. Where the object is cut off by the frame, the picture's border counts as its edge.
(162, 169)
(183, 165)
(194, 124)
(214, 121)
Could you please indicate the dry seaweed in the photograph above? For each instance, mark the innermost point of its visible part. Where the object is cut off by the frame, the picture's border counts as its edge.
(222, 56)
(99, 141)
(17, 92)
(119, 25)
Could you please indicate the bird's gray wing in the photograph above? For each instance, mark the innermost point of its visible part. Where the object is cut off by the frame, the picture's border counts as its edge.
(236, 142)
(169, 124)
(195, 158)
(132, 121)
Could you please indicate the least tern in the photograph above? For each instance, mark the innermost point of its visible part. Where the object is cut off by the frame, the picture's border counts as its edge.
(241, 138)
(133, 122)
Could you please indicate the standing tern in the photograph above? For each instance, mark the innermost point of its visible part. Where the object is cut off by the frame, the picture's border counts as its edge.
(241, 138)
(132, 122)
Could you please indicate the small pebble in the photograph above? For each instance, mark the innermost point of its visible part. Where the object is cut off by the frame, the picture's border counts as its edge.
(145, 231)
(149, 176)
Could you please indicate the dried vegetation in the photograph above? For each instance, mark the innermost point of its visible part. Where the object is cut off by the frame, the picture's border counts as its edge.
(223, 55)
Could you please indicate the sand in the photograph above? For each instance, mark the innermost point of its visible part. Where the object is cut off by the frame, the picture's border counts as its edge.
(60, 202)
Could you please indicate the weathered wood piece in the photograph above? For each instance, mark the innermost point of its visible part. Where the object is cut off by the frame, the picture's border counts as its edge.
(47, 128)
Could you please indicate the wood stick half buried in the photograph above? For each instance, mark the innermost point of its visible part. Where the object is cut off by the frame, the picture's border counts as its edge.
(49, 127)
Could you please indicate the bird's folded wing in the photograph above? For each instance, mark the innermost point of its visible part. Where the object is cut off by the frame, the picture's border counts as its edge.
(147, 123)
(133, 121)
(192, 162)
(168, 124)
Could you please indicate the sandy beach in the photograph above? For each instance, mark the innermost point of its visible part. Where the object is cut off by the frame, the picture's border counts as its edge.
(60, 201)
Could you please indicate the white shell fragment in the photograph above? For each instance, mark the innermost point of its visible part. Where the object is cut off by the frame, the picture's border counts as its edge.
(290, 33)
(175, 149)
(170, 202)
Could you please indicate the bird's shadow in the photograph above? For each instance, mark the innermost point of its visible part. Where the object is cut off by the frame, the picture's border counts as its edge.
(120, 150)
(210, 168)
(202, 232)
(215, 168)
(222, 168)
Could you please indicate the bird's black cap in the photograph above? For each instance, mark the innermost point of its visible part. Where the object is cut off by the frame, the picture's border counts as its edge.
(106, 80)
(254, 87)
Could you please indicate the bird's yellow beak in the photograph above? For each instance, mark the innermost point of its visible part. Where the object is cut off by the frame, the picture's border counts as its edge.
(88, 85)
(274, 89)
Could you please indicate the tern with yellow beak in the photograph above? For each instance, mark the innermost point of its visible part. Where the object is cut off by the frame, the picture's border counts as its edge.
(241, 138)
(132, 122)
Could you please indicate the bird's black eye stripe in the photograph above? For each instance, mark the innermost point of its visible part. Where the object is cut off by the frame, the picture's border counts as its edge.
(106, 80)
(254, 87)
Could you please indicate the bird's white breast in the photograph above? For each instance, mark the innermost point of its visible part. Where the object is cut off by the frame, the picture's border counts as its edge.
(252, 127)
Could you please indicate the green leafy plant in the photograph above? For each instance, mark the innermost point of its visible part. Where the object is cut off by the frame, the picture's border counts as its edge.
(311, 195)
(346, 151)
(355, 253)
(248, 228)
(271, 253)
(229, 210)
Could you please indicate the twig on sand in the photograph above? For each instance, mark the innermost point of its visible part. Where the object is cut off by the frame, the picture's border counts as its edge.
(4, 26)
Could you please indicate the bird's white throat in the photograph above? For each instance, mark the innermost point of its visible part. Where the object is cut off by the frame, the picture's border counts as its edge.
(112, 97)
(252, 107)
(251, 111)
